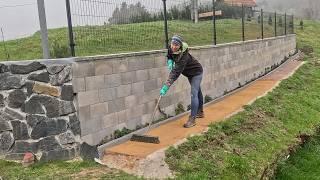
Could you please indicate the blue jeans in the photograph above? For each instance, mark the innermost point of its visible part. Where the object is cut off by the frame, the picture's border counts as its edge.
(196, 94)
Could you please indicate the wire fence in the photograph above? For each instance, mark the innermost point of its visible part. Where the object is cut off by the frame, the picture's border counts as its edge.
(113, 26)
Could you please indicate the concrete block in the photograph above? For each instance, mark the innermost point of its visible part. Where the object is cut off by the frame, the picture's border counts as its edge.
(124, 90)
(78, 84)
(137, 88)
(133, 123)
(116, 105)
(94, 83)
(147, 61)
(122, 116)
(131, 101)
(84, 114)
(120, 66)
(146, 119)
(142, 75)
(88, 98)
(154, 73)
(150, 85)
(112, 80)
(109, 120)
(89, 127)
(98, 110)
(107, 94)
(160, 61)
(135, 112)
(103, 67)
(82, 69)
(134, 64)
(128, 77)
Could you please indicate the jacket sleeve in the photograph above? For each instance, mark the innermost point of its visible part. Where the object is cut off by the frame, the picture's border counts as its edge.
(169, 55)
(178, 69)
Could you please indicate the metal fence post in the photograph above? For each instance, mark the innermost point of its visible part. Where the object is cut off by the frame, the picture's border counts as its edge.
(285, 23)
(262, 33)
(275, 24)
(165, 24)
(71, 38)
(243, 38)
(214, 23)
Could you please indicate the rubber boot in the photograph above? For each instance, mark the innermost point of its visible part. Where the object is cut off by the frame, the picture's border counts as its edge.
(190, 123)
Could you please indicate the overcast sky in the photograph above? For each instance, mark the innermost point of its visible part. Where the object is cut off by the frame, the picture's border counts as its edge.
(20, 21)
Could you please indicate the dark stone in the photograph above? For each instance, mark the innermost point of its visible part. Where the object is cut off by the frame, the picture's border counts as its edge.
(20, 130)
(88, 152)
(33, 106)
(6, 142)
(74, 124)
(14, 156)
(61, 77)
(15, 115)
(5, 116)
(42, 77)
(24, 146)
(4, 125)
(62, 154)
(3, 68)
(48, 144)
(48, 128)
(29, 86)
(53, 106)
(33, 119)
(1, 101)
(55, 69)
(8, 81)
(66, 138)
(66, 107)
(67, 93)
(26, 69)
(16, 98)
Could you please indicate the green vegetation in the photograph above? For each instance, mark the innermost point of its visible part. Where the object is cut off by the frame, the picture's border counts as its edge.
(60, 170)
(119, 38)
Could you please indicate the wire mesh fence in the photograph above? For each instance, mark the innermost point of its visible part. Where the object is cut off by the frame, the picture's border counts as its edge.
(112, 26)
(116, 26)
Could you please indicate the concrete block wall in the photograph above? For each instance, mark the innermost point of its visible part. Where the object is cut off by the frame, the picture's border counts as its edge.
(119, 91)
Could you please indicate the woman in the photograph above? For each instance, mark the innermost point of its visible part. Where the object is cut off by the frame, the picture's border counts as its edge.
(180, 61)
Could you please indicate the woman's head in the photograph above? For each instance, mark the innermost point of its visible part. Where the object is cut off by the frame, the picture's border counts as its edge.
(176, 43)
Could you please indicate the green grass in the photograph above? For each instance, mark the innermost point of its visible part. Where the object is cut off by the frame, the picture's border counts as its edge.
(60, 170)
(112, 39)
(305, 163)
(243, 146)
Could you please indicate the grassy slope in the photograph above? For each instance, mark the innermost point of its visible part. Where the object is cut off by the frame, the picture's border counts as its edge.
(305, 163)
(243, 145)
(95, 40)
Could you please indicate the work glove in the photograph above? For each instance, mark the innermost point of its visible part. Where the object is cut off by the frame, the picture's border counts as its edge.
(170, 63)
(164, 90)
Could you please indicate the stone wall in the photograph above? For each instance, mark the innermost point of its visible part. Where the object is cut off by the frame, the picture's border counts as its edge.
(37, 113)
(119, 91)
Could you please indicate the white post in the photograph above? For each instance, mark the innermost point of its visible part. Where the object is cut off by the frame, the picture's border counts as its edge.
(43, 29)
(196, 13)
